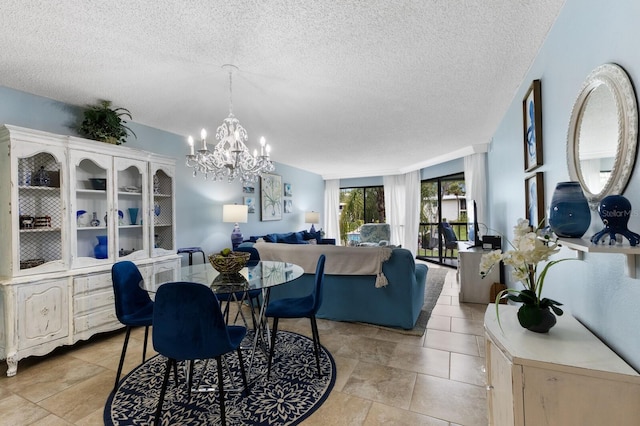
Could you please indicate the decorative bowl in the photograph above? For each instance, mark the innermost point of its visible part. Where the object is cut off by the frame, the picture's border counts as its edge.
(230, 264)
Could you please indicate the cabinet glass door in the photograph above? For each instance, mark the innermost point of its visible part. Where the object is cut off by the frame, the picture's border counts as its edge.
(162, 210)
(41, 218)
(90, 203)
(131, 207)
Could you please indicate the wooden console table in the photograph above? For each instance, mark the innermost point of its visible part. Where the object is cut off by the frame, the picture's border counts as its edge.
(565, 377)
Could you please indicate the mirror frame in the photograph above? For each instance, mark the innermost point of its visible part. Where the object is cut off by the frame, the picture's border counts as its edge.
(617, 81)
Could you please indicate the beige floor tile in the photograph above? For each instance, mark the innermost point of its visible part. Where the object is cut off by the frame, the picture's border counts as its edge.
(477, 310)
(448, 400)
(444, 299)
(50, 376)
(81, 400)
(381, 414)
(344, 368)
(340, 409)
(94, 419)
(390, 386)
(468, 369)
(467, 326)
(452, 311)
(398, 337)
(452, 342)
(438, 322)
(421, 360)
(19, 411)
(367, 350)
(449, 292)
(53, 420)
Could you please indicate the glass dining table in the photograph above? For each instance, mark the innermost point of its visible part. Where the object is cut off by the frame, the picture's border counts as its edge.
(261, 275)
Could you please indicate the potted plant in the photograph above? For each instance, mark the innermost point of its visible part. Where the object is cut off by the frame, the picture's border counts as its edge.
(529, 249)
(103, 123)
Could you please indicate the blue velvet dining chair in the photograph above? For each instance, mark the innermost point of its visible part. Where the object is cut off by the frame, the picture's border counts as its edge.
(252, 296)
(188, 325)
(299, 307)
(134, 307)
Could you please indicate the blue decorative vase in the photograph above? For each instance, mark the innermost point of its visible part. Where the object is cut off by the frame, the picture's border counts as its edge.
(101, 251)
(569, 214)
(133, 215)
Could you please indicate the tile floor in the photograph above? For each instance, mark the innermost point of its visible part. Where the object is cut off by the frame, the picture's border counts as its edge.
(383, 378)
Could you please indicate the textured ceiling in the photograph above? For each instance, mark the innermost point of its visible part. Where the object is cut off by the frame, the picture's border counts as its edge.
(340, 88)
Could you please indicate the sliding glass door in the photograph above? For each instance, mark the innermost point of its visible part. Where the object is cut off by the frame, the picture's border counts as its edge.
(443, 205)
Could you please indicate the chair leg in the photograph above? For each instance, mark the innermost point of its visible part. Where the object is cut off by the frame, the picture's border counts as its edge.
(190, 381)
(242, 372)
(121, 363)
(221, 389)
(273, 345)
(316, 341)
(164, 388)
(144, 348)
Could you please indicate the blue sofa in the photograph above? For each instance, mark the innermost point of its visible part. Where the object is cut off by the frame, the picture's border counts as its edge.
(355, 297)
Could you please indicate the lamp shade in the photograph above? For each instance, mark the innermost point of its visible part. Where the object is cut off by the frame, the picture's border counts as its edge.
(312, 217)
(235, 213)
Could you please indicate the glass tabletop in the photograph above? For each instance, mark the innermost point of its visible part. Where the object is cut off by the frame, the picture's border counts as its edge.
(263, 274)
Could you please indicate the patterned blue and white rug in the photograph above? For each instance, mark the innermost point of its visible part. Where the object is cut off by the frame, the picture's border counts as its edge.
(292, 394)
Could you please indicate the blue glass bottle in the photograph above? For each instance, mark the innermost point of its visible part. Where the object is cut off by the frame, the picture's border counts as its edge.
(569, 214)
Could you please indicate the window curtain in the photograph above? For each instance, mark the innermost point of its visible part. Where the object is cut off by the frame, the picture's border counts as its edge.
(332, 209)
(402, 208)
(475, 178)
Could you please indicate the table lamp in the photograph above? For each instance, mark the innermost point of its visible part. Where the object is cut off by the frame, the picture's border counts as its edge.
(312, 218)
(234, 213)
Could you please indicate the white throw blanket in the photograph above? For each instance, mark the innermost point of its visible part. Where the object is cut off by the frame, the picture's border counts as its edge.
(340, 260)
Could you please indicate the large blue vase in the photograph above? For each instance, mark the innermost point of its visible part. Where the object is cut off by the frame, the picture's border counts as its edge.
(101, 251)
(569, 214)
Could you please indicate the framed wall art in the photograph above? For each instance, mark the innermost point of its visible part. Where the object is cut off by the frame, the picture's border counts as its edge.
(532, 127)
(250, 202)
(288, 192)
(288, 206)
(534, 199)
(270, 197)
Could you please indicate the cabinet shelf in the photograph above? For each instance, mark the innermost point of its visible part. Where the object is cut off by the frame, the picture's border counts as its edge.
(89, 228)
(90, 191)
(43, 229)
(581, 246)
(38, 188)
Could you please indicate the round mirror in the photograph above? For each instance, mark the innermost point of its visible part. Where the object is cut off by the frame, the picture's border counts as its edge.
(603, 133)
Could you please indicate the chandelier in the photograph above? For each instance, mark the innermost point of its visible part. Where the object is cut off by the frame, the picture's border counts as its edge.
(230, 157)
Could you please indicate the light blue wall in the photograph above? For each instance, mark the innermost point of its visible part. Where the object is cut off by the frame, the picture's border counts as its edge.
(439, 170)
(198, 202)
(444, 169)
(587, 33)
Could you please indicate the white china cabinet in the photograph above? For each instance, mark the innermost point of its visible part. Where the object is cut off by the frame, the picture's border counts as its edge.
(61, 197)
